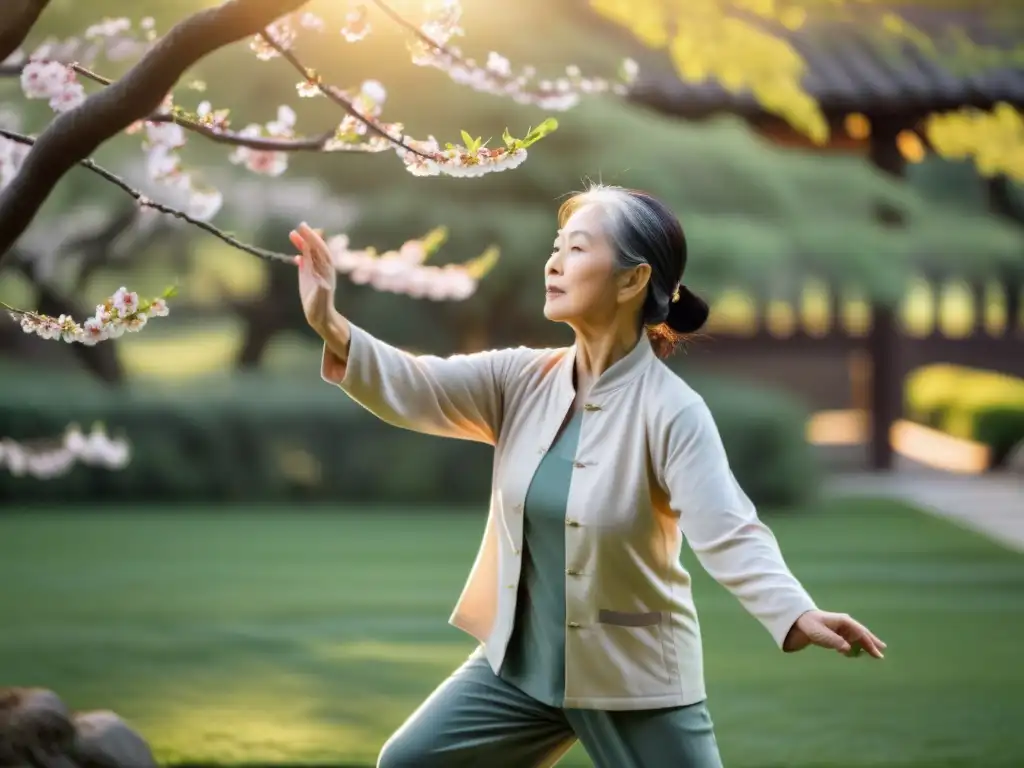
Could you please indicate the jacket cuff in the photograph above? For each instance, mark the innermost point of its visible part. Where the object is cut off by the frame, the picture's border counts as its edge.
(781, 627)
(337, 372)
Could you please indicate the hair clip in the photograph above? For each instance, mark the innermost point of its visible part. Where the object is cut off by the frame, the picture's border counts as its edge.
(675, 295)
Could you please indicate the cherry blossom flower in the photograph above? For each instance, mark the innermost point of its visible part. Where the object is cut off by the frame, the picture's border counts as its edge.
(357, 25)
(54, 81)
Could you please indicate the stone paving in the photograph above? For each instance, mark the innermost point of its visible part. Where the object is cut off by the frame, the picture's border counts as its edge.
(991, 504)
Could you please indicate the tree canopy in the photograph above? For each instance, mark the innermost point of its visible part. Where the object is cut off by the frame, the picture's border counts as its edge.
(747, 45)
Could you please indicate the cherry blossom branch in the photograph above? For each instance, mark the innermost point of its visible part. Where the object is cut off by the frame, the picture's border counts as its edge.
(335, 95)
(234, 139)
(124, 312)
(16, 22)
(88, 73)
(497, 76)
(146, 202)
(230, 138)
(45, 459)
(75, 134)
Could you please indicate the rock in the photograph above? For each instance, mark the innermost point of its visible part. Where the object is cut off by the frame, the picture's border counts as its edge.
(35, 727)
(104, 740)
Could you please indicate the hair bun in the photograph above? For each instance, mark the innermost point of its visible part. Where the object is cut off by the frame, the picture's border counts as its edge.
(689, 313)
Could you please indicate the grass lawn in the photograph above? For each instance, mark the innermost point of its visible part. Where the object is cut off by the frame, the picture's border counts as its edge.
(304, 636)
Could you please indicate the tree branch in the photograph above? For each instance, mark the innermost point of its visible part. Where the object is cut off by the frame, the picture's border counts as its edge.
(234, 139)
(76, 134)
(231, 138)
(117, 181)
(335, 95)
(16, 22)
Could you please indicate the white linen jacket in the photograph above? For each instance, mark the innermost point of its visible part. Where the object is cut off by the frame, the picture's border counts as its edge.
(650, 469)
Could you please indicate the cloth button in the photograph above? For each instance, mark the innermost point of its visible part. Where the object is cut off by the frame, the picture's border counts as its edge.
(572, 523)
(573, 625)
(579, 464)
(571, 572)
(591, 407)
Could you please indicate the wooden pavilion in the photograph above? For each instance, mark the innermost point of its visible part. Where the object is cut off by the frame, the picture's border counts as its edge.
(872, 92)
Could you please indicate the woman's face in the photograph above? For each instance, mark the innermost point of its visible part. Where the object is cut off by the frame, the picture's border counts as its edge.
(584, 285)
(579, 276)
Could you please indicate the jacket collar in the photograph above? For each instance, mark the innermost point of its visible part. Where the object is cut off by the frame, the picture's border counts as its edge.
(620, 373)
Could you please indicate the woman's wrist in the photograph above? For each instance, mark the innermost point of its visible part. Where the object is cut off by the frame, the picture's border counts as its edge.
(337, 334)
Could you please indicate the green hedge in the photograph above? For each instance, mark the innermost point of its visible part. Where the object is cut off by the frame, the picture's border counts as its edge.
(978, 405)
(271, 440)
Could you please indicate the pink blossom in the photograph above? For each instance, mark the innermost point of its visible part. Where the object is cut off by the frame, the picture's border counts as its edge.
(93, 331)
(414, 252)
(125, 302)
(158, 308)
(267, 163)
(357, 26)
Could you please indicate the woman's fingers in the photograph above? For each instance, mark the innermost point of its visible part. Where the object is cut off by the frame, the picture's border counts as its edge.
(855, 632)
(316, 251)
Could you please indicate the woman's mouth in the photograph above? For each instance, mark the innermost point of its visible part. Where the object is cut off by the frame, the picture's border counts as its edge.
(552, 292)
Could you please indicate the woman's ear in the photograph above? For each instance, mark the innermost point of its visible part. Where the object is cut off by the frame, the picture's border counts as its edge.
(633, 282)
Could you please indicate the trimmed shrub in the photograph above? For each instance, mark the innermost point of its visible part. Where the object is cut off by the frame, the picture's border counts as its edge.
(764, 432)
(964, 402)
(263, 439)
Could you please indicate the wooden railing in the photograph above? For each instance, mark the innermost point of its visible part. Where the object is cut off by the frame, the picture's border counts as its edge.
(837, 351)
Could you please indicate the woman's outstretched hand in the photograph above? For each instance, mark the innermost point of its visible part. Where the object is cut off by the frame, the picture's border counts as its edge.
(318, 279)
(836, 631)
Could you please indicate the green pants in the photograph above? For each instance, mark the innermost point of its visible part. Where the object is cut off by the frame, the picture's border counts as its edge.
(477, 720)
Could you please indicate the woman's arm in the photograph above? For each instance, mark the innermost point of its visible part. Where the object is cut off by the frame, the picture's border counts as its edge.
(722, 526)
(461, 396)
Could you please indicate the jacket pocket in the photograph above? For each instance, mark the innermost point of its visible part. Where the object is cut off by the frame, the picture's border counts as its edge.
(620, 656)
(629, 619)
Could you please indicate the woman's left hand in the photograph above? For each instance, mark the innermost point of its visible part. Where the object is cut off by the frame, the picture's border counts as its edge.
(837, 631)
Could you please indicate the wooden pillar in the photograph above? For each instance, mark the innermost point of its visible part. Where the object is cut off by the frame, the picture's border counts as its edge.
(1013, 286)
(884, 340)
(979, 294)
(1001, 203)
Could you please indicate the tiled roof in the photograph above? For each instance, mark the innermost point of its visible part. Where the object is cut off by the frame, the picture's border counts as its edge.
(852, 69)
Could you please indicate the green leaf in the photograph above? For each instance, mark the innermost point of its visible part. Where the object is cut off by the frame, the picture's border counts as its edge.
(508, 138)
(434, 239)
(483, 263)
(536, 134)
(467, 140)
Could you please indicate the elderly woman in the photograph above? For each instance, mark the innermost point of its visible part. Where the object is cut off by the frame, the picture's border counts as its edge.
(604, 462)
